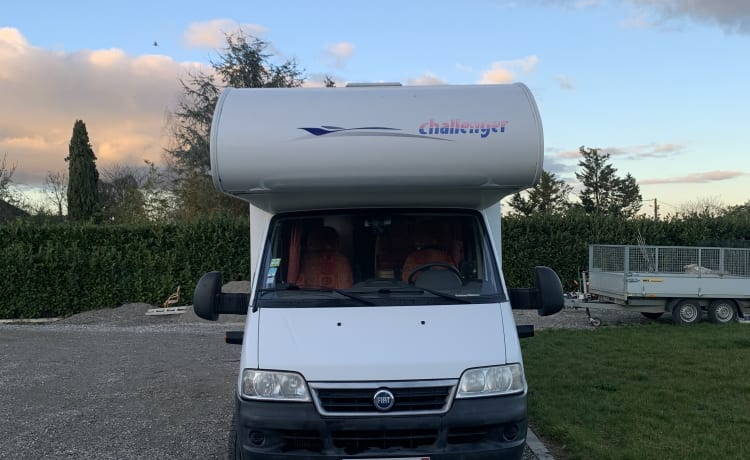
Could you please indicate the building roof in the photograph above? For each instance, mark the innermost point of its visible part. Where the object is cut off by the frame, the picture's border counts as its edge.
(9, 211)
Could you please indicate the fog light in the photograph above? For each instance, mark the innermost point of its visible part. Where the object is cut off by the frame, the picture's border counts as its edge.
(510, 432)
(257, 438)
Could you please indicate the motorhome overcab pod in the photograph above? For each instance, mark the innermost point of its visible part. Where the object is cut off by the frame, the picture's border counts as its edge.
(379, 324)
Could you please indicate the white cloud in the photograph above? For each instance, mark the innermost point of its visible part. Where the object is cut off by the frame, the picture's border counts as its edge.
(338, 53)
(13, 41)
(505, 71)
(427, 78)
(211, 34)
(633, 152)
(497, 74)
(122, 99)
(696, 178)
(107, 58)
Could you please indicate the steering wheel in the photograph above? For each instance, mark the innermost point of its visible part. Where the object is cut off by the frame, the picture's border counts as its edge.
(430, 266)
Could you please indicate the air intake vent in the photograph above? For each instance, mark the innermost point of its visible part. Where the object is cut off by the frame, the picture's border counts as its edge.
(424, 398)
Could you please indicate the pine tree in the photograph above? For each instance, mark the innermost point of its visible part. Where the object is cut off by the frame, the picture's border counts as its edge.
(549, 195)
(83, 178)
(244, 63)
(604, 192)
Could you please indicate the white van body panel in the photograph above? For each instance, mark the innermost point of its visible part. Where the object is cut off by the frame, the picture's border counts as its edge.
(296, 149)
(510, 334)
(381, 343)
(259, 222)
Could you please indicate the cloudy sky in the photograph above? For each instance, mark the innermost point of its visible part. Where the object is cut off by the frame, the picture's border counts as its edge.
(661, 85)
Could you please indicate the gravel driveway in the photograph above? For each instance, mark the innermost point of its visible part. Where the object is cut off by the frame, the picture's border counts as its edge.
(117, 384)
(90, 387)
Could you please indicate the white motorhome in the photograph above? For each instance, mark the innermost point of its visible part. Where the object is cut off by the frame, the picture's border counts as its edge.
(379, 324)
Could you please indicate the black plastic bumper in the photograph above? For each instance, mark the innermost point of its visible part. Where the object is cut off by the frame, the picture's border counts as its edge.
(481, 428)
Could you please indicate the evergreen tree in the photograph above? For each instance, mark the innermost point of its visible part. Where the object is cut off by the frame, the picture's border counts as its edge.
(549, 195)
(604, 192)
(83, 178)
(244, 63)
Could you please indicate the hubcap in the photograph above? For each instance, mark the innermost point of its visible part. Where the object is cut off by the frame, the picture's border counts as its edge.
(724, 312)
(688, 313)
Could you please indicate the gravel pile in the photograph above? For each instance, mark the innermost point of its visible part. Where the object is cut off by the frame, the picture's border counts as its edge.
(134, 314)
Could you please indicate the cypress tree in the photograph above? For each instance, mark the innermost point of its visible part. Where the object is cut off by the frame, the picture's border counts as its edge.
(83, 178)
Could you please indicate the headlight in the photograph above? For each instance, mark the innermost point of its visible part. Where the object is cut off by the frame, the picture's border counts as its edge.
(491, 381)
(273, 385)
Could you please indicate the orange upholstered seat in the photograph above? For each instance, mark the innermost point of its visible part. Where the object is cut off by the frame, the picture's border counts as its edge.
(428, 240)
(322, 264)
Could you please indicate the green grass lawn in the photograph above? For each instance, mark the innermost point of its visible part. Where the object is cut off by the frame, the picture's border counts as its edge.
(655, 391)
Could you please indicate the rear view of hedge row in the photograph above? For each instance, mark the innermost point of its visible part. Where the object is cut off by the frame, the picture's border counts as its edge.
(59, 270)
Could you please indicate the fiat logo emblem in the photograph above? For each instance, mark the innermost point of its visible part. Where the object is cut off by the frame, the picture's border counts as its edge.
(383, 400)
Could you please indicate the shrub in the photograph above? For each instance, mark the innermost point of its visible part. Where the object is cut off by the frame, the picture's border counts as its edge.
(59, 270)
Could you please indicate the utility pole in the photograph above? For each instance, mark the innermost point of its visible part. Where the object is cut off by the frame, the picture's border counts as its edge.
(656, 210)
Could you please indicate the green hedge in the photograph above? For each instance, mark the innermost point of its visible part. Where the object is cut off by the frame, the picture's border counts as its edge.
(561, 241)
(57, 270)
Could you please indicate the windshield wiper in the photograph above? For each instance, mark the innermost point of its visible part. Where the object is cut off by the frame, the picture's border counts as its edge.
(294, 287)
(422, 290)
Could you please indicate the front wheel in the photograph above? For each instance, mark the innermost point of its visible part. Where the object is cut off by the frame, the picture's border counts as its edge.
(722, 311)
(234, 448)
(687, 311)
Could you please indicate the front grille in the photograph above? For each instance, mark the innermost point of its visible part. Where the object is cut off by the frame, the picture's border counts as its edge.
(420, 399)
(354, 442)
(295, 440)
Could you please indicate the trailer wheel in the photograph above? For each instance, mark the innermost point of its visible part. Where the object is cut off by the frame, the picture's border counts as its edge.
(722, 311)
(652, 314)
(687, 311)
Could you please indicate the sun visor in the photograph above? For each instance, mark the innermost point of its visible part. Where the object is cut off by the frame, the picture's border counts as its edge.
(303, 148)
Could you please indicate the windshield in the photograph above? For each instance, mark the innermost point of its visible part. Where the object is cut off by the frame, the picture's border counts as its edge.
(378, 257)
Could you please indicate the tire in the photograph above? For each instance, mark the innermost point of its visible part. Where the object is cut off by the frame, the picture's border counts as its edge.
(234, 448)
(652, 315)
(722, 311)
(687, 311)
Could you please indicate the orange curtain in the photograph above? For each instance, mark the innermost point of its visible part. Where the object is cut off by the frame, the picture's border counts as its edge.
(295, 247)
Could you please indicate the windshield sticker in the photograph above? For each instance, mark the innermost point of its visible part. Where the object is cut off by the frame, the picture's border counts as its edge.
(275, 263)
(271, 276)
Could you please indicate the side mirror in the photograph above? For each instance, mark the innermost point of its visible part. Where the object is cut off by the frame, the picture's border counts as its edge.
(209, 302)
(206, 296)
(550, 291)
(546, 297)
